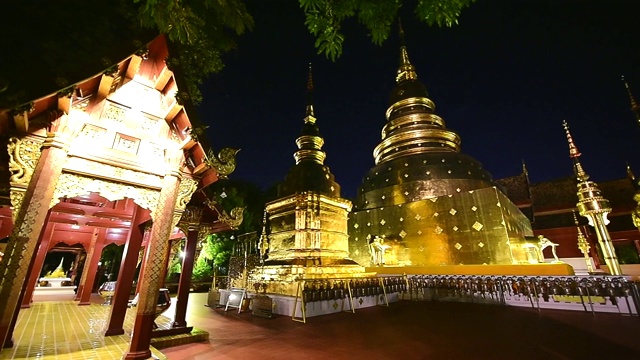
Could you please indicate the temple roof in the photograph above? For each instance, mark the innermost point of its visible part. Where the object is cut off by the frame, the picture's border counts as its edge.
(97, 94)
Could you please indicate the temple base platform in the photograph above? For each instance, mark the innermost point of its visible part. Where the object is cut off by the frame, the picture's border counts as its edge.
(284, 305)
(285, 279)
(546, 269)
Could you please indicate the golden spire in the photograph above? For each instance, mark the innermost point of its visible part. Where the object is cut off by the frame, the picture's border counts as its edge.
(574, 154)
(310, 115)
(263, 243)
(583, 244)
(406, 71)
(634, 105)
(524, 168)
(310, 141)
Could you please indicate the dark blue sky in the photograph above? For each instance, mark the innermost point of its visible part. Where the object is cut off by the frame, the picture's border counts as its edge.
(504, 79)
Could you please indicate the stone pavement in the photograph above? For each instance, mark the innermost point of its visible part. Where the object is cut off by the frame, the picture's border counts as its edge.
(413, 330)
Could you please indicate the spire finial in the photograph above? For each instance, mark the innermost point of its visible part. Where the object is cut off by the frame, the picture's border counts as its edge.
(310, 116)
(634, 105)
(406, 71)
(310, 79)
(401, 33)
(574, 153)
(573, 149)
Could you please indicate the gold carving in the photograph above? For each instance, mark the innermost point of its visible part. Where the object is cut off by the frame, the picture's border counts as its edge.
(224, 163)
(17, 196)
(93, 133)
(23, 157)
(192, 215)
(126, 143)
(235, 219)
(72, 185)
(110, 172)
(185, 191)
(177, 215)
(184, 227)
(147, 124)
(115, 113)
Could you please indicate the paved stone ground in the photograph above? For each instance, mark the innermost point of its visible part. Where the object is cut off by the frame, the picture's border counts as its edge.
(413, 330)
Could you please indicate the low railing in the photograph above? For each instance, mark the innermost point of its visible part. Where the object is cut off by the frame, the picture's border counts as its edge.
(345, 289)
(593, 294)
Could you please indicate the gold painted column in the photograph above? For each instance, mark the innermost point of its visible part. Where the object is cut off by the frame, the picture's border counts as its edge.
(153, 268)
(28, 225)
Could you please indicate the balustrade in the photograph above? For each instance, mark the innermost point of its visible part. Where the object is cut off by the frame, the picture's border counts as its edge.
(539, 291)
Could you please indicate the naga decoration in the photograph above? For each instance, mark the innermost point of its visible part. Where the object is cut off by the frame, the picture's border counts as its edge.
(224, 162)
(23, 157)
(233, 219)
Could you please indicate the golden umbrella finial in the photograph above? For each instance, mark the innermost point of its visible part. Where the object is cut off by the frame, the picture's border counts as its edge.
(634, 105)
(310, 115)
(406, 71)
(574, 153)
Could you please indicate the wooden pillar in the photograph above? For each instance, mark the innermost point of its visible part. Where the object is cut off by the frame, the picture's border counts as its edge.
(125, 275)
(88, 277)
(28, 225)
(36, 268)
(184, 284)
(153, 270)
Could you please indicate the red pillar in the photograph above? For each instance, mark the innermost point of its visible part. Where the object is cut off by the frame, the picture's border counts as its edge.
(28, 225)
(36, 267)
(125, 275)
(184, 283)
(155, 259)
(8, 340)
(91, 267)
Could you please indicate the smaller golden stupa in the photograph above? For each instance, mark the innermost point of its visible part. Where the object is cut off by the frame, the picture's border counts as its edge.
(305, 231)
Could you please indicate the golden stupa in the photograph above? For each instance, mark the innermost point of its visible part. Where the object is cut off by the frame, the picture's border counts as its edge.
(305, 231)
(425, 207)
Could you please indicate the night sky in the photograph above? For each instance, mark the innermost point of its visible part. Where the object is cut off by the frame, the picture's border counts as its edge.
(503, 79)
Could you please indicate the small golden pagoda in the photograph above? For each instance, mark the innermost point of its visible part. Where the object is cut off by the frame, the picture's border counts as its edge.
(427, 206)
(305, 234)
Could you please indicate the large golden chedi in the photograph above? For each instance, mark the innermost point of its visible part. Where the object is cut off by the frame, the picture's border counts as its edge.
(425, 203)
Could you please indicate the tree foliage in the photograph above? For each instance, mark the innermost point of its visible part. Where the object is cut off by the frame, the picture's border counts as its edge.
(324, 18)
(200, 31)
(63, 43)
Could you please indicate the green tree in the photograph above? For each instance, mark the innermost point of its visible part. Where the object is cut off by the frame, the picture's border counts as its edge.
(324, 18)
(63, 42)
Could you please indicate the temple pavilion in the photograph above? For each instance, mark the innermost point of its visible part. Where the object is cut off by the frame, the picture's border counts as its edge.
(108, 160)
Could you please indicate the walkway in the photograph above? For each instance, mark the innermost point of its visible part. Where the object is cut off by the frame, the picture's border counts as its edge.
(405, 330)
(413, 330)
(56, 328)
